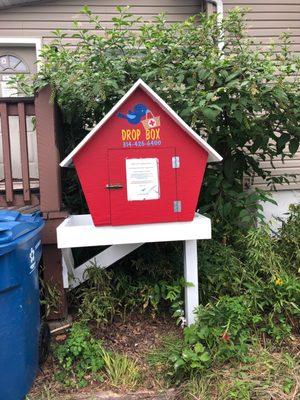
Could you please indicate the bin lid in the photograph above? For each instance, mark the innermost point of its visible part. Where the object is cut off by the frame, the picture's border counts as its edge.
(13, 225)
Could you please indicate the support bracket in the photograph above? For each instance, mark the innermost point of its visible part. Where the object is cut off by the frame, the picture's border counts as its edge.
(75, 276)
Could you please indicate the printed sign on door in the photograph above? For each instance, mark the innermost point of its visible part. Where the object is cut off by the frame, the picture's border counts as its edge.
(142, 177)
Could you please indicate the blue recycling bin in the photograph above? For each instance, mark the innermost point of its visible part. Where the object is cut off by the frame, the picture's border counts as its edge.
(20, 253)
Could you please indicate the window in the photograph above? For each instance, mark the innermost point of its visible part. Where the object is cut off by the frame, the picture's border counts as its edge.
(10, 64)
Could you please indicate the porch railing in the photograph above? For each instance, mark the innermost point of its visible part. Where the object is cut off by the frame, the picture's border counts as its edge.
(24, 194)
(20, 107)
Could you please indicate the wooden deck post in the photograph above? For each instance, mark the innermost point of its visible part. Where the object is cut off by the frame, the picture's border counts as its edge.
(48, 153)
(52, 275)
(50, 193)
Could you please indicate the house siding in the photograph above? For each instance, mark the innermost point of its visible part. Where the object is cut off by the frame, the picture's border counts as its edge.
(39, 20)
(265, 23)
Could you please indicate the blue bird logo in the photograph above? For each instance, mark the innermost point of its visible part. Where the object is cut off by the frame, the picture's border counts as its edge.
(134, 117)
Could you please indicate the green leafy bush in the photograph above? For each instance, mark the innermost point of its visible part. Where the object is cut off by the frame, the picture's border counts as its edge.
(96, 299)
(274, 290)
(80, 357)
(289, 239)
(244, 100)
(227, 329)
(223, 331)
(248, 291)
(221, 272)
(108, 294)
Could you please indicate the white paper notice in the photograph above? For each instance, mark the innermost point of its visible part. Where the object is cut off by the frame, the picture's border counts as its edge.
(142, 176)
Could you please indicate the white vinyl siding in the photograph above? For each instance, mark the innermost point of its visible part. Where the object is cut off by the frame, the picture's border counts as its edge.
(266, 20)
(40, 19)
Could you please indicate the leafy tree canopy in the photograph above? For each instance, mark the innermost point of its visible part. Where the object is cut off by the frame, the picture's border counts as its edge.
(244, 98)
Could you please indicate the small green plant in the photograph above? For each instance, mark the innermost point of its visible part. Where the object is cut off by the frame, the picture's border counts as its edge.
(161, 360)
(197, 388)
(80, 357)
(50, 298)
(274, 290)
(96, 298)
(240, 390)
(108, 294)
(121, 371)
(289, 239)
(222, 332)
(222, 271)
(45, 394)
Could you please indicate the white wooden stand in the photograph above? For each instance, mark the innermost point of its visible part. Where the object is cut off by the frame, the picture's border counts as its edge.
(79, 231)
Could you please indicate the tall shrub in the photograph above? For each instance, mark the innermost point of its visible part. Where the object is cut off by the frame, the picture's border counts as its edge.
(244, 99)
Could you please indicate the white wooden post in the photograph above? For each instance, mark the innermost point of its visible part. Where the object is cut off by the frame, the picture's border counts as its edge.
(191, 276)
(68, 266)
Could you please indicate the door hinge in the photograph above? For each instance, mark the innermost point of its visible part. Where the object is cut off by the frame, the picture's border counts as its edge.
(177, 206)
(175, 162)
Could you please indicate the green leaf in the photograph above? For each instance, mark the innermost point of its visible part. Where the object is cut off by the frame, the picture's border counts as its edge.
(294, 145)
(179, 363)
(216, 107)
(199, 348)
(203, 332)
(282, 141)
(232, 76)
(238, 115)
(210, 113)
(205, 357)
(229, 169)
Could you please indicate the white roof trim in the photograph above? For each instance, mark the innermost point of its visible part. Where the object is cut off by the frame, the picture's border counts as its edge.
(213, 156)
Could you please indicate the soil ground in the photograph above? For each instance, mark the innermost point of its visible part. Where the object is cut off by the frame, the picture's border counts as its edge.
(135, 337)
(274, 375)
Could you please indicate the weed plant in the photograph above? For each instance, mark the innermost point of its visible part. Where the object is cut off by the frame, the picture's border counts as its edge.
(270, 374)
(260, 298)
(122, 372)
(114, 293)
(288, 245)
(50, 297)
(80, 358)
(83, 359)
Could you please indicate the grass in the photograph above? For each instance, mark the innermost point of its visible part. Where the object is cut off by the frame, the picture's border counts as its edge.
(271, 374)
(46, 393)
(158, 359)
(121, 371)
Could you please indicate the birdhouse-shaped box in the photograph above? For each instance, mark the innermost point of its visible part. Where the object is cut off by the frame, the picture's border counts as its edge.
(142, 163)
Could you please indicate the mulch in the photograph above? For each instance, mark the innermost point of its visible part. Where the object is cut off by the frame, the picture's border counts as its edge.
(134, 337)
(137, 335)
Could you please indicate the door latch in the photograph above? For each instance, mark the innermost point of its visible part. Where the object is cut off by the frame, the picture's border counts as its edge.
(115, 186)
(175, 162)
(177, 206)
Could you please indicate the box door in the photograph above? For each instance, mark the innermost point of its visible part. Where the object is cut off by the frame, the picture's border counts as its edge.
(141, 185)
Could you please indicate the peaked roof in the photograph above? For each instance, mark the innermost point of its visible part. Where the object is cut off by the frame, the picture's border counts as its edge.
(213, 156)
